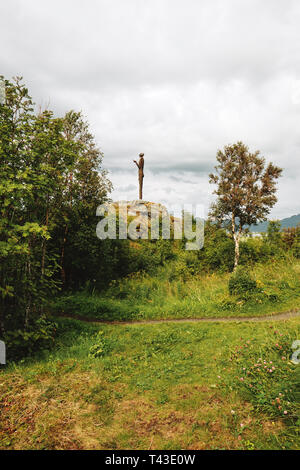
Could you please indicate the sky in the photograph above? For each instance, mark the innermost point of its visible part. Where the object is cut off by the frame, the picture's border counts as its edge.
(176, 80)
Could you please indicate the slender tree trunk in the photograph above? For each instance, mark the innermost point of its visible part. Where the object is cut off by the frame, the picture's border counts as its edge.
(236, 236)
(236, 251)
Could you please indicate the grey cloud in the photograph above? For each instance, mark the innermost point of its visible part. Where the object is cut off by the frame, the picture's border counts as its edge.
(176, 80)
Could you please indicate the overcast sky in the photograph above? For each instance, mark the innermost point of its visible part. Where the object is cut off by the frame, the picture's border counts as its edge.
(174, 79)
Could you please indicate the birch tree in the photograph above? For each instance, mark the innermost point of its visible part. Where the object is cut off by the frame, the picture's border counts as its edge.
(246, 189)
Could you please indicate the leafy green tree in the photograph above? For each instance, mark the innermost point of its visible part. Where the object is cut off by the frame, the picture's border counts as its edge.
(51, 182)
(289, 236)
(273, 238)
(85, 185)
(18, 230)
(245, 191)
(273, 232)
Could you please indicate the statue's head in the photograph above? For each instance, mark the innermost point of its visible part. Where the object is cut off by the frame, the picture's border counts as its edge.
(141, 155)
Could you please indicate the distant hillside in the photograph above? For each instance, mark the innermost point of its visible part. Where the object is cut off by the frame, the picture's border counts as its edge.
(292, 221)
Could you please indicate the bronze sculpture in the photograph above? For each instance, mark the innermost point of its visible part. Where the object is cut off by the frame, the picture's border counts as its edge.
(140, 166)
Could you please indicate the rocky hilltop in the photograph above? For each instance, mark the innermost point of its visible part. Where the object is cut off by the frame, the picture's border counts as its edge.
(144, 213)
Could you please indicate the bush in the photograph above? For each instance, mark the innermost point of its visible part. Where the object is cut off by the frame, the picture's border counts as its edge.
(23, 343)
(218, 254)
(241, 284)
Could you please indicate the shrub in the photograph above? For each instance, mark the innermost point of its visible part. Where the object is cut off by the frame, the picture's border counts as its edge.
(22, 343)
(241, 284)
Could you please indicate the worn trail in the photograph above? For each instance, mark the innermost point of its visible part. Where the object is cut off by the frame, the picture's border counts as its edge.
(274, 317)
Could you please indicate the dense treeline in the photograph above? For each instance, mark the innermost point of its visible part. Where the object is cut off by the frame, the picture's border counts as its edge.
(51, 183)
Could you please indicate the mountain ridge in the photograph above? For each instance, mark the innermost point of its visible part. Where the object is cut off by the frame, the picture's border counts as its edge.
(287, 222)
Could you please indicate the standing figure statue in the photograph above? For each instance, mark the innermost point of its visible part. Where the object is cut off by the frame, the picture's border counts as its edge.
(140, 166)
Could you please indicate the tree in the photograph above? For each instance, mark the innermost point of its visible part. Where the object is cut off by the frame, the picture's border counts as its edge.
(51, 183)
(245, 191)
(33, 157)
(85, 186)
(289, 236)
(274, 233)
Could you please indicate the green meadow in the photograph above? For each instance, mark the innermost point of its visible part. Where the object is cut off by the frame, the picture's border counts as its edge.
(164, 295)
(156, 386)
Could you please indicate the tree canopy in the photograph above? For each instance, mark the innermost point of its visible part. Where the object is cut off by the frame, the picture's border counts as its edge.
(246, 189)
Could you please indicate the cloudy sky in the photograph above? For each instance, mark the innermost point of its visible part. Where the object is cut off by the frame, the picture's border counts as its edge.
(174, 79)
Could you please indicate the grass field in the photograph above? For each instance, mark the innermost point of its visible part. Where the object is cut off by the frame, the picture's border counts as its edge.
(164, 295)
(166, 386)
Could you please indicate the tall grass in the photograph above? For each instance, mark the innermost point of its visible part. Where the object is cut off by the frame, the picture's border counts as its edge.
(142, 296)
(166, 386)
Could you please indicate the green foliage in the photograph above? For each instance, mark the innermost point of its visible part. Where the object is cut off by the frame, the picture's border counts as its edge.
(51, 184)
(296, 243)
(167, 294)
(94, 306)
(187, 373)
(241, 284)
(273, 232)
(38, 336)
(101, 347)
(246, 189)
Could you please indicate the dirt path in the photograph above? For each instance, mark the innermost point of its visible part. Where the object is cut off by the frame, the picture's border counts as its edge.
(274, 317)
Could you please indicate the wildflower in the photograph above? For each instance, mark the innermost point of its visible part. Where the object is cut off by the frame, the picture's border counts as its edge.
(232, 412)
(242, 425)
(285, 412)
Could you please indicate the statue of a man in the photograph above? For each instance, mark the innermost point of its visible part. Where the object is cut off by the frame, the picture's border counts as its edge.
(140, 166)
